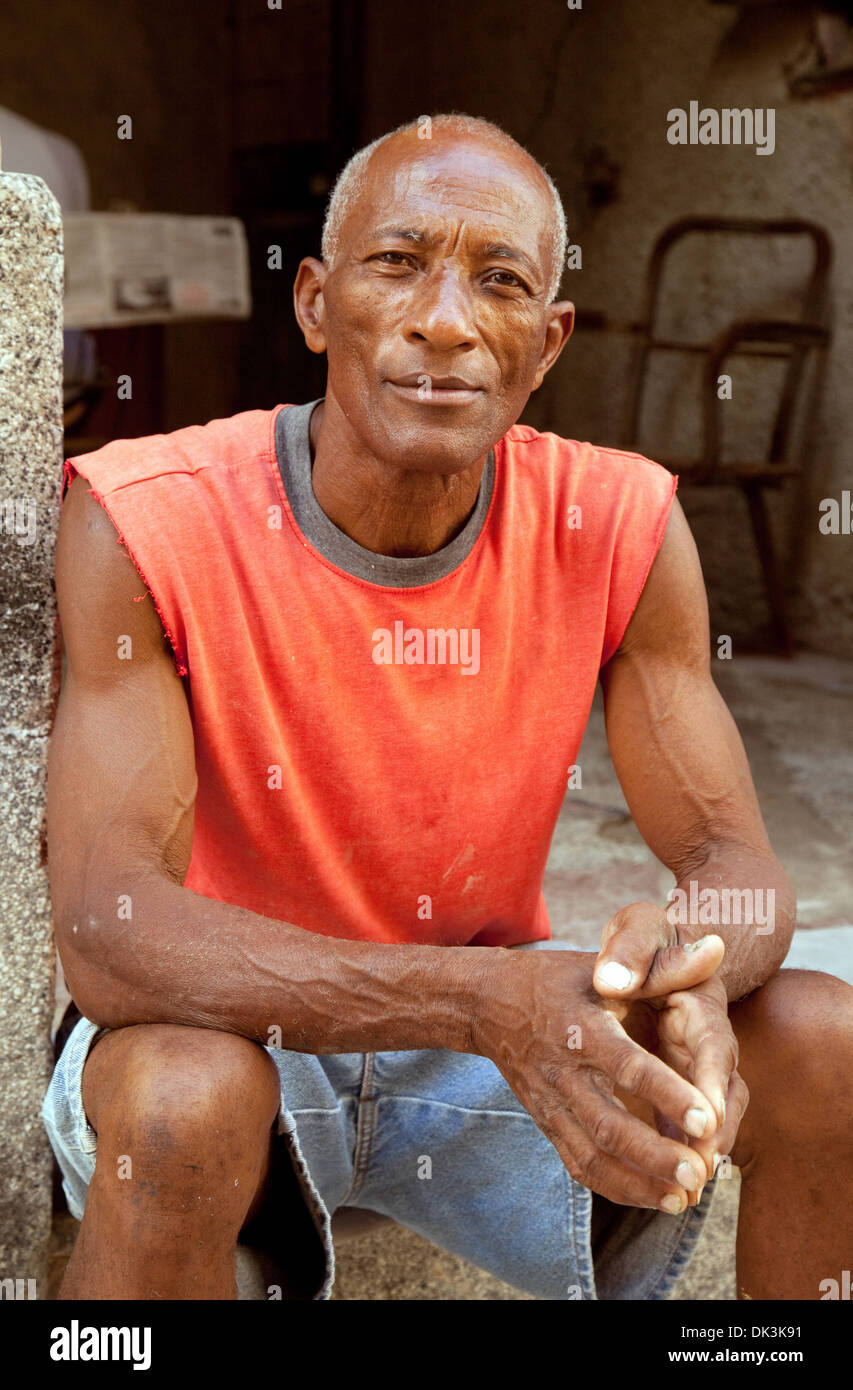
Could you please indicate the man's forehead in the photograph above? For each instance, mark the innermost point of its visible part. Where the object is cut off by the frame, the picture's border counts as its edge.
(427, 191)
(465, 171)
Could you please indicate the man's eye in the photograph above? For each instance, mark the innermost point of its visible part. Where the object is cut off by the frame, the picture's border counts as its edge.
(402, 255)
(513, 278)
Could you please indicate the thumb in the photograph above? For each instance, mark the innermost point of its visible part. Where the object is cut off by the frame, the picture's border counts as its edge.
(684, 965)
(633, 964)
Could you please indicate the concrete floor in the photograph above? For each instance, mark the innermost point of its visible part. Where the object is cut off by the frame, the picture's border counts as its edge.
(396, 1264)
(794, 717)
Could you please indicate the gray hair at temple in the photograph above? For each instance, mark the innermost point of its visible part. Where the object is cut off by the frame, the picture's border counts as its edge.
(349, 186)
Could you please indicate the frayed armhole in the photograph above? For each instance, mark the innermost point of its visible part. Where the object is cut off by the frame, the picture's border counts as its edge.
(69, 472)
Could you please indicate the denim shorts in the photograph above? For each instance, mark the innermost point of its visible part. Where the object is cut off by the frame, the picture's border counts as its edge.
(437, 1141)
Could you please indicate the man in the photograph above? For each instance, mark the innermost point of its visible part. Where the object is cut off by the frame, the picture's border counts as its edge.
(299, 812)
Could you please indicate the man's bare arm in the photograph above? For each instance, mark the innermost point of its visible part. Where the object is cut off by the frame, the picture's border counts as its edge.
(121, 792)
(682, 765)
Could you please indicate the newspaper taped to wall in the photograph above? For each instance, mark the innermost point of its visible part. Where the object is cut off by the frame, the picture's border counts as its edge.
(129, 268)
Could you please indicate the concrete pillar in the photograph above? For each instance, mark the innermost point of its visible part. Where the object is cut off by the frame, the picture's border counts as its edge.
(30, 470)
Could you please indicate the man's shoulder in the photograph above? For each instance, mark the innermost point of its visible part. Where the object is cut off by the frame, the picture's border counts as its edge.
(544, 448)
(219, 443)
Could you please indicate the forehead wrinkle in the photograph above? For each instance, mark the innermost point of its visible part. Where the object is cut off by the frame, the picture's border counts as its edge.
(410, 207)
(461, 170)
(485, 199)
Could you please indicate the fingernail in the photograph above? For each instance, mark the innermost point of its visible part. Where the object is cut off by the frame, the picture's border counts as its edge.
(672, 1205)
(686, 1174)
(615, 975)
(695, 1122)
(696, 945)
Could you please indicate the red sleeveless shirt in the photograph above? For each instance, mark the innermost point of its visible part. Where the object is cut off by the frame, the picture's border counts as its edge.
(383, 763)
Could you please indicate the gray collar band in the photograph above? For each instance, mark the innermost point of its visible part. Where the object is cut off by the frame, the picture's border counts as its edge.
(293, 451)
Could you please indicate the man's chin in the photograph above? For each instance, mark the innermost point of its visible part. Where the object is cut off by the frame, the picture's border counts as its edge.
(431, 438)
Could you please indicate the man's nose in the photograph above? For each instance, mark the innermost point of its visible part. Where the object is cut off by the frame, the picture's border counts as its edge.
(441, 311)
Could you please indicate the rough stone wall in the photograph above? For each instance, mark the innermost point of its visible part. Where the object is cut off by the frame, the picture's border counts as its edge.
(30, 459)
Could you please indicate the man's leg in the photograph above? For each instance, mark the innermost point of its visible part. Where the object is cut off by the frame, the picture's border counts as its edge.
(795, 1143)
(184, 1121)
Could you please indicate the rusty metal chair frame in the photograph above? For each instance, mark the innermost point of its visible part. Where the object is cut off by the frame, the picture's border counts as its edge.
(785, 339)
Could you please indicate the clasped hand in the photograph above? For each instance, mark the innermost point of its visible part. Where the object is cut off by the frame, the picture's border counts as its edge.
(570, 1031)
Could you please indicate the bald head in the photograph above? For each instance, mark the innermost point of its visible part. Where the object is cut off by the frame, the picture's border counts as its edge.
(419, 138)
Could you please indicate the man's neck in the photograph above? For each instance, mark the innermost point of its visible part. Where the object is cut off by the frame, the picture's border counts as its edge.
(391, 512)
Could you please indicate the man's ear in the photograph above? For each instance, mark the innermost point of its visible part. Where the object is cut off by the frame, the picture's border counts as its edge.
(561, 321)
(308, 301)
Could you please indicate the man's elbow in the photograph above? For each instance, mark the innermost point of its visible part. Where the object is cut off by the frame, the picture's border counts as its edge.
(99, 997)
(98, 948)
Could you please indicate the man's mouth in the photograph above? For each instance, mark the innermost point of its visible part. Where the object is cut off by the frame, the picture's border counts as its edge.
(435, 390)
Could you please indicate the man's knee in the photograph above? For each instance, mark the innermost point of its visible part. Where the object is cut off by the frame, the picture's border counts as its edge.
(166, 1087)
(795, 1035)
(797, 1013)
